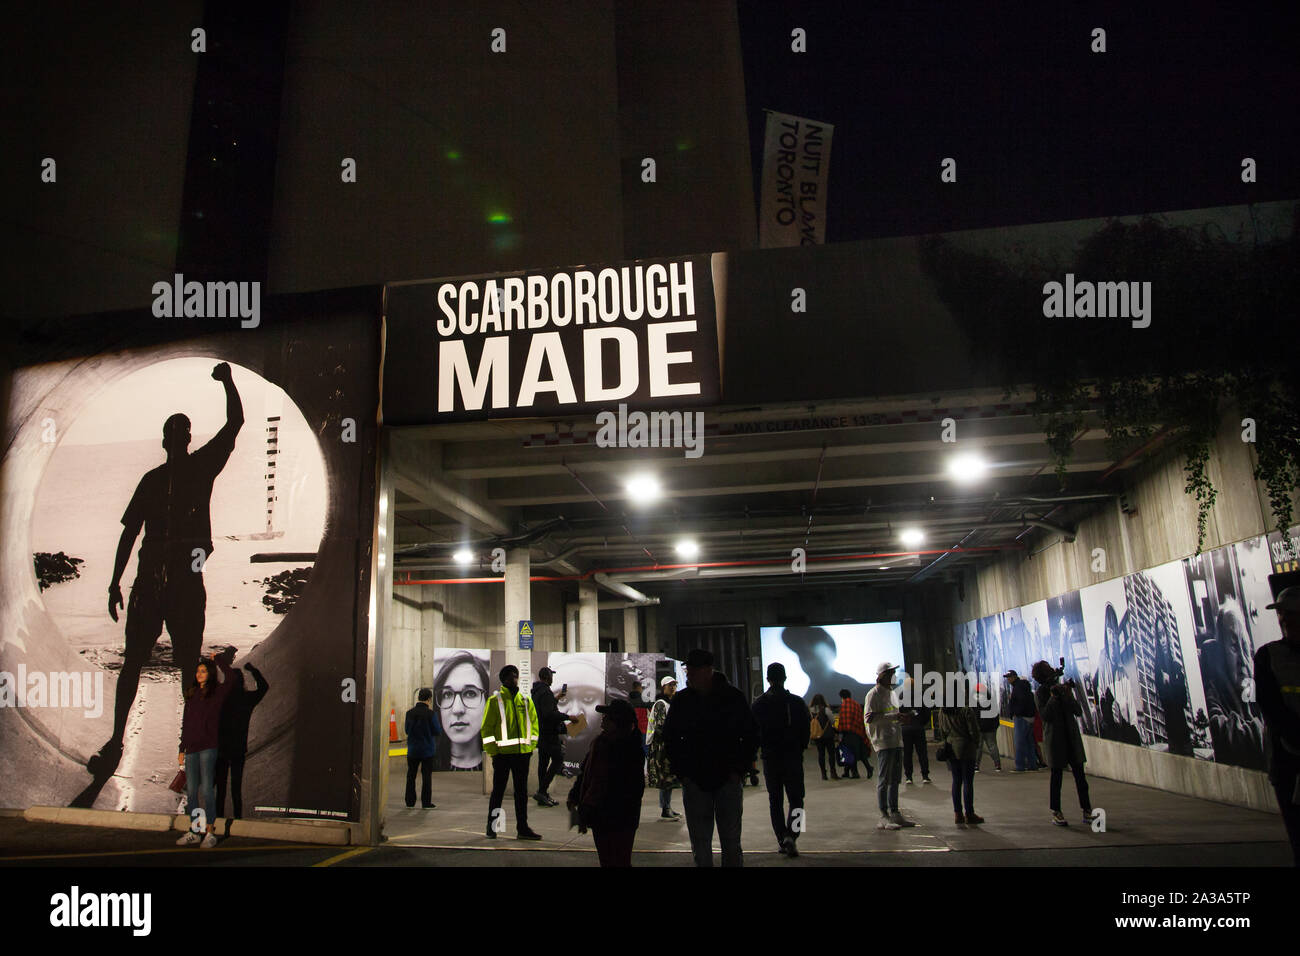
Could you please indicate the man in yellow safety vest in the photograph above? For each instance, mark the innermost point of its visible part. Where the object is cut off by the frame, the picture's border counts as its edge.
(509, 732)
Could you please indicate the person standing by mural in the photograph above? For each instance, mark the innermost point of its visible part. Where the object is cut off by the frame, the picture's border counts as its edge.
(658, 773)
(987, 715)
(1277, 686)
(1060, 710)
(172, 503)
(961, 730)
(510, 733)
(200, 731)
(1023, 711)
(550, 746)
(422, 732)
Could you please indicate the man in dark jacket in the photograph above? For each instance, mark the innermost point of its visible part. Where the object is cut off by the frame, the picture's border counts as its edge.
(1277, 685)
(784, 727)
(422, 730)
(551, 729)
(1022, 712)
(232, 739)
(913, 718)
(712, 738)
(987, 714)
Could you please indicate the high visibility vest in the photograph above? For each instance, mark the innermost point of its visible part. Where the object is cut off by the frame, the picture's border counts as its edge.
(509, 725)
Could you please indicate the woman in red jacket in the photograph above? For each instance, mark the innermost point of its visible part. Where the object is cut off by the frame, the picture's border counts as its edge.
(198, 752)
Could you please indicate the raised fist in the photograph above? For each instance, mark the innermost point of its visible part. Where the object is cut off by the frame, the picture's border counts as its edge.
(222, 372)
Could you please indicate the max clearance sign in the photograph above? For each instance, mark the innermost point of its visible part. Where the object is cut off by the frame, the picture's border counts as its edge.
(534, 344)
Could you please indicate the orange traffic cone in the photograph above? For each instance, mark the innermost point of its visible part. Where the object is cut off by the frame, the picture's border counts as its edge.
(392, 725)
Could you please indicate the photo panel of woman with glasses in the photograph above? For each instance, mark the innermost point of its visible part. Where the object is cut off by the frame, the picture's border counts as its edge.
(463, 679)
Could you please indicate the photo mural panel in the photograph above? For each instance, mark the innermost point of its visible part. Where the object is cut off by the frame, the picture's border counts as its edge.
(1162, 658)
(167, 501)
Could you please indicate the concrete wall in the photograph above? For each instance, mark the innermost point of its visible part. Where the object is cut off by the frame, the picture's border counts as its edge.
(1163, 529)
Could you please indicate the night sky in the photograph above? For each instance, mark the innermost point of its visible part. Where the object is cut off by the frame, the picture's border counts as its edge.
(1042, 129)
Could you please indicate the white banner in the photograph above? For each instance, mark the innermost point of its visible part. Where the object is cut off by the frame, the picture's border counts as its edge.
(796, 164)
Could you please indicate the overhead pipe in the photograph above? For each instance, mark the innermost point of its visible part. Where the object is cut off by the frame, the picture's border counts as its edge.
(618, 587)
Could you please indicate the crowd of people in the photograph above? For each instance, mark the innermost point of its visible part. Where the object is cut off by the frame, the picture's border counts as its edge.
(706, 739)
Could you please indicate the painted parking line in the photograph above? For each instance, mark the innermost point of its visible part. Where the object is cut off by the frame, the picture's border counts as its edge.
(174, 849)
(345, 855)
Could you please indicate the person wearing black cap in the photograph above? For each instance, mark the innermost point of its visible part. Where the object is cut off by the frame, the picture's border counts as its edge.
(711, 737)
(784, 726)
(607, 793)
(1022, 710)
(1277, 688)
(551, 726)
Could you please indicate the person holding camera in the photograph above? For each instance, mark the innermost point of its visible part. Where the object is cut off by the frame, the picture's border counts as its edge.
(550, 747)
(1062, 741)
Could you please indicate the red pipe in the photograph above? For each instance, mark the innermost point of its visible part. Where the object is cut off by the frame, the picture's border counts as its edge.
(709, 564)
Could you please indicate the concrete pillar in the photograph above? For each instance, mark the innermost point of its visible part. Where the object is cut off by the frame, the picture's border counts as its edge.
(588, 623)
(518, 607)
(631, 631)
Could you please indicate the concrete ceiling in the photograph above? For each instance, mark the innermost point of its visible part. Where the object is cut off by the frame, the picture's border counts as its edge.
(768, 481)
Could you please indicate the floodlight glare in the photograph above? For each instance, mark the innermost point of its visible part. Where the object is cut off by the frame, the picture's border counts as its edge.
(912, 536)
(463, 556)
(643, 489)
(686, 548)
(966, 469)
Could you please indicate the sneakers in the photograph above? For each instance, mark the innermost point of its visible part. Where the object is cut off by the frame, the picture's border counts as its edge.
(974, 818)
(428, 806)
(209, 841)
(190, 839)
(1059, 819)
(901, 820)
(669, 815)
(1087, 820)
(787, 847)
(926, 780)
(908, 781)
(527, 835)
(887, 824)
(977, 769)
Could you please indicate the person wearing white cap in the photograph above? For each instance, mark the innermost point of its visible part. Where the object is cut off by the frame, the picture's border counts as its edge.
(657, 771)
(886, 735)
(1277, 688)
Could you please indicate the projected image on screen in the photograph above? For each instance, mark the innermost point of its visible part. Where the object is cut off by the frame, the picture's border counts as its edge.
(825, 660)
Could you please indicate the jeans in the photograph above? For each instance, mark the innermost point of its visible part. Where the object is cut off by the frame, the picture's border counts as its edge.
(703, 807)
(201, 781)
(550, 759)
(424, 765)
(889, 771)
(784, 778)
(1025, 756)
(963, 778)
(988, 742)
(1080, 784)
(503, 766)
(666, 798)
(232, 765)
(914, 739)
